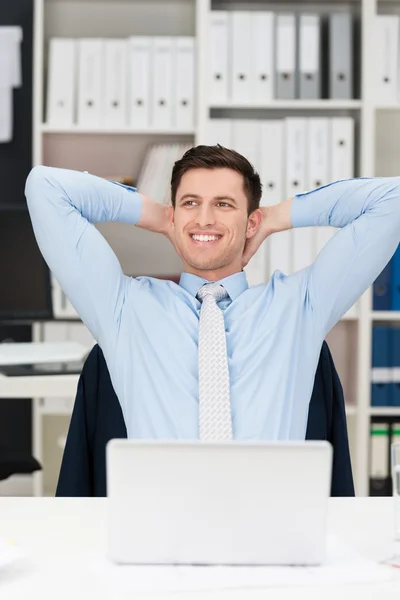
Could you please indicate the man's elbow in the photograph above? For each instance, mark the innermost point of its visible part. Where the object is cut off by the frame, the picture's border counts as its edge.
(36, 180)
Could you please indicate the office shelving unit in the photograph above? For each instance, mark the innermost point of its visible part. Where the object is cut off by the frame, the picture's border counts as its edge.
(106, 152)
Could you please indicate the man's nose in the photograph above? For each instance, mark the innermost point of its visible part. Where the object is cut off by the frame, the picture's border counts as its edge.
(205, 216)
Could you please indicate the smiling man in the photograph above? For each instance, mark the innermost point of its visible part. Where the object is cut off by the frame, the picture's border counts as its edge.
(211, 357)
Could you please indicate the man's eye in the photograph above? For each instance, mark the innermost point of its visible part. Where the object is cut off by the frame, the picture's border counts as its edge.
(224, 204)
(189, 202)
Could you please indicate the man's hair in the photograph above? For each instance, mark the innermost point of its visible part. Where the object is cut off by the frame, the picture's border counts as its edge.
(218, 157)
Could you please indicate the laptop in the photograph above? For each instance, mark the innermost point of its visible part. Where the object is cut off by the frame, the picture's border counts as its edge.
(224, 503)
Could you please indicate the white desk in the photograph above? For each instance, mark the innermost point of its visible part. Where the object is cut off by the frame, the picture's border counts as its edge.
(60, 534)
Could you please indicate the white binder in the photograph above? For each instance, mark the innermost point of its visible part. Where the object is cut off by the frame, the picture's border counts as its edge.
(90, 81)
(184, 89)
(342, 148)
(285, 61)
(386, 52)
(318, 170)
(241, 45)
(277, 246)
(296, 145)
(218, 47)
(246, 139)
(161, 83)
(219, 131)
(6, 115)
(139, 65)
(10, 56)
(114, 106)
(262, 57)
(271, 161)
(309, 57)
(61, 82)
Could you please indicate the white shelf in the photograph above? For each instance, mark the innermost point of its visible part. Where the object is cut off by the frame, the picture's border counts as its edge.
(387, 106)
(385, 315)
(77, 129)
(385, 411)
(298, 104)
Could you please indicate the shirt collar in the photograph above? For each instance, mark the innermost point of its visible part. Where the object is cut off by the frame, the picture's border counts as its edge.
(235, 284)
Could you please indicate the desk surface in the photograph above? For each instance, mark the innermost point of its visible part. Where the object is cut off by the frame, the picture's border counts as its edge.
(58, 535)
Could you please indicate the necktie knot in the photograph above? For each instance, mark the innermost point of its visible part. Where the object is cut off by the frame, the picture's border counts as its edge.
(218, 292)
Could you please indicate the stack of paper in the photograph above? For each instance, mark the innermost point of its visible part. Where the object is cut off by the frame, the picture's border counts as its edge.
(10, 77)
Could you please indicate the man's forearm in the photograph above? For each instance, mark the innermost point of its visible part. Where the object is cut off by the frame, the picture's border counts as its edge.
(336, 204)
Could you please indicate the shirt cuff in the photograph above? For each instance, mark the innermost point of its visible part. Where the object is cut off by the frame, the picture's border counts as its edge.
(302, 212)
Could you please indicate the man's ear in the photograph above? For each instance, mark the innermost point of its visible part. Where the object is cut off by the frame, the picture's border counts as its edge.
(171, 215)
(254, 222)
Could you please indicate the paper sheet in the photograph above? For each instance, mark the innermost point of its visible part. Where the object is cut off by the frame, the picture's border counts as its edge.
(343, 566)
(8, 554)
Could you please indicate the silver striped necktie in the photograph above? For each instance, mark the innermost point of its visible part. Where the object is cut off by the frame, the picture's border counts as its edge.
(215, 420)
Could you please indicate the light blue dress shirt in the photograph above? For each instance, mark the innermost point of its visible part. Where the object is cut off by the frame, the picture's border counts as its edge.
(148, 328)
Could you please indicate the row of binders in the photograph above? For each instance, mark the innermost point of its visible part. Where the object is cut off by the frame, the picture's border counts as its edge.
(10, 77)
(385, 374)
(258, 56)
(386, 288)
(291, 155)
(141, 82)
(386, 53)
(382, 436)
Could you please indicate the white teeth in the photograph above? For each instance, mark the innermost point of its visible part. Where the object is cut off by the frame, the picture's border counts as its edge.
(205, 238)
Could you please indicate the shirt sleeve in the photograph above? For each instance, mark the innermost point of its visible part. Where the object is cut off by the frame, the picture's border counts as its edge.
(63, 207)
(367, 211)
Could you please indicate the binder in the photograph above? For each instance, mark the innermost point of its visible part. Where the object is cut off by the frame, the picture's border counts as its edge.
(395, 355)
(272, 140)
(139, 65)
(161, 83)
(386, 50)
(395, 291)
(184, 89)
(246, 139)
(271, 161)
(317, 171)
(296, 149)
(382, 292)
(309, 57)
(262, 57)
(6, 115)
(90, 81)
(340, 56)
(219, 131)
(381, 376)
(285, 52)
(114, 106)
(240, 51)
(342, 148)
(61, 84)
(218, 57)
(10, 56)
(380, 476)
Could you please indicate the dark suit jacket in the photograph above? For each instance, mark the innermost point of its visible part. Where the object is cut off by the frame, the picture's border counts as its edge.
(97, 418)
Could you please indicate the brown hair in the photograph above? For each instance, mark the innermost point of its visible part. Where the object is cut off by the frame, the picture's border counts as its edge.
(217, 157)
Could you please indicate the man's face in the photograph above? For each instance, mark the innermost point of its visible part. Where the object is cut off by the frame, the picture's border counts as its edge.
(212, 203)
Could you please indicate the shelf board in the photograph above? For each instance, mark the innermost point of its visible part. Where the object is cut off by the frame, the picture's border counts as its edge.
(387, 106)
(351, 410)
(296, 105)
(384, 411)
(385, 315)
(79, 130)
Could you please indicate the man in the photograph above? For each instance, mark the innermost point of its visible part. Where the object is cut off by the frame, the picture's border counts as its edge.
(247, 372)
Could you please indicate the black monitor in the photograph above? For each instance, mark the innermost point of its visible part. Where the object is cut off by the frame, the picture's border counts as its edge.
(25, 284)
